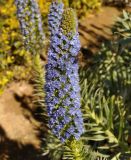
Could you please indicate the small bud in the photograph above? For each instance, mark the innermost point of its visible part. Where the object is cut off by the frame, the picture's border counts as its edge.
(69, 21)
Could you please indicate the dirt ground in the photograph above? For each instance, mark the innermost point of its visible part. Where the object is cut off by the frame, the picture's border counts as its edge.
(96, 28)
(19, 128)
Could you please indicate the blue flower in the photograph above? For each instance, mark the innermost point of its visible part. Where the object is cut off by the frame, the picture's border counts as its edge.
(71, 129)
(29, 17)
(62, 80)
(61, 112)
(55, 15)
(67, 102)
(67, 135)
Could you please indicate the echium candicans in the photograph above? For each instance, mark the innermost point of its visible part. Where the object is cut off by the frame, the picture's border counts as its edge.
(30, 21)
(55, 15)
(62, 80)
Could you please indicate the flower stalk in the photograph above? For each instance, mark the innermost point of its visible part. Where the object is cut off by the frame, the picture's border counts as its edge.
(62, 80)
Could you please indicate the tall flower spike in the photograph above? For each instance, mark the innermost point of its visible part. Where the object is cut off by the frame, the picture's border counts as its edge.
(55, 15)
(31, 24)
(62, 80)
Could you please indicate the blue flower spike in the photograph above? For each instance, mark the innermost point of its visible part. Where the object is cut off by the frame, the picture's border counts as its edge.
(29, 17)
(62, 80)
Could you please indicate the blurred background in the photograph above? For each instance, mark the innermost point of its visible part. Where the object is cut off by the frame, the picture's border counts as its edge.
(99, 26)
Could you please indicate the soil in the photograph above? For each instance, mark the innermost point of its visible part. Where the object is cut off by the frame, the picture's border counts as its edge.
(96, 28)
(19, 128)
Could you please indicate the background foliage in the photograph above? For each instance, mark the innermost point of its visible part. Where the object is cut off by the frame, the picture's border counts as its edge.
(106, 92)
(13, 58)
(82, 6)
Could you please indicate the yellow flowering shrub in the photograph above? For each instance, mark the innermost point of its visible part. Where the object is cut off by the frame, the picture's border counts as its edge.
(44, 6)
(84, 7)
(4, 79)
(13, 58)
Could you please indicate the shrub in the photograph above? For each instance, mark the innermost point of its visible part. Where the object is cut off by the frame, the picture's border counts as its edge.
(13, 57)
(106, 97)
(85, 6)
(82, 7)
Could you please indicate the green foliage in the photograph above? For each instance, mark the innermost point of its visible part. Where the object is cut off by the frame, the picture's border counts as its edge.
(52, 149)
(106, 92)
(107, 129)
(38, 83)
(112, 70)
(77, 150)
(122, 28)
